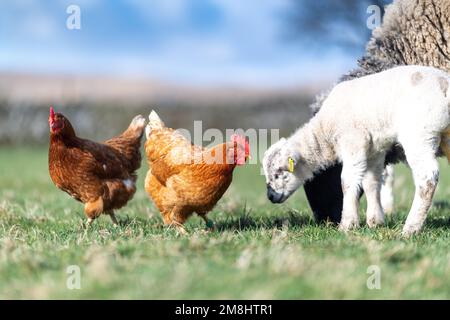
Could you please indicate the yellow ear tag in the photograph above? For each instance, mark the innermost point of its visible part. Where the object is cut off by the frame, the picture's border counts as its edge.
(291, 165)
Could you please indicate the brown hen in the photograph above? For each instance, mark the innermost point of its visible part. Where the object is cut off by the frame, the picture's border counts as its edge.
(100, 175)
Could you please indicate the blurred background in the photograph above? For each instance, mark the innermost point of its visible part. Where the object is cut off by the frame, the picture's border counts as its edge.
(231, 64)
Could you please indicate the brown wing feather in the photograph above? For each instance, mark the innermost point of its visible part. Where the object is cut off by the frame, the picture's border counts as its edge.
(101, 160)
(80, 167)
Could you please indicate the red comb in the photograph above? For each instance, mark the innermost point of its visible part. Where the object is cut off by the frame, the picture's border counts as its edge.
(52, 112)
(242, 141)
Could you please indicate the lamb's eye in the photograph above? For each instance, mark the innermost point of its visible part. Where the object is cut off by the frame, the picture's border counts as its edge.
(278, 172)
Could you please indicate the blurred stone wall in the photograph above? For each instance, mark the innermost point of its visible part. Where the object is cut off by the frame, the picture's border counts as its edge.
(26, 123)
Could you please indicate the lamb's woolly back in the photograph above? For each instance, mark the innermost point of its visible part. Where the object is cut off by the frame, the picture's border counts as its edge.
(393, 91)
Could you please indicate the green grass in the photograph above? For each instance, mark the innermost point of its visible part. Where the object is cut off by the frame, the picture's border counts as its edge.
(259, 251)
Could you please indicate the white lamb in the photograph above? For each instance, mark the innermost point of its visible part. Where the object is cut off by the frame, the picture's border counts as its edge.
(358, 123)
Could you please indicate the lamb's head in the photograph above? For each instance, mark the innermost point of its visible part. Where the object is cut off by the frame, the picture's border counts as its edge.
(284, 171)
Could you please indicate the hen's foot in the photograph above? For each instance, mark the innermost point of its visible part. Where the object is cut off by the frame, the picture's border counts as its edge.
(179, 227)
(87, 223)
(210, 226)
(181, 230)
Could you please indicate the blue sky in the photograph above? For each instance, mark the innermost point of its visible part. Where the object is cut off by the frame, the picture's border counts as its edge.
(205, 42)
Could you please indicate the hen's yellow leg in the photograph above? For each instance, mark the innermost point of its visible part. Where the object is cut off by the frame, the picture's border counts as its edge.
(172, 219)
(113, 218)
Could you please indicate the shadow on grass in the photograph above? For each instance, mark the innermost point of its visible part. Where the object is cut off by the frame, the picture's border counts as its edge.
(434, 219)
(248, 222)
(239, 220)
(438, 223)
(441, 205)
(441, 221)
(131, 221)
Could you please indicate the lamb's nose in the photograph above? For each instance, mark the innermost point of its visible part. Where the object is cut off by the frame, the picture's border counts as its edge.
(273, 196)
(270, 193)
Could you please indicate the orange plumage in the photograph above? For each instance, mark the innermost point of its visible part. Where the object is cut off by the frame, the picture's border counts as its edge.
(184, 178)
(100, 175)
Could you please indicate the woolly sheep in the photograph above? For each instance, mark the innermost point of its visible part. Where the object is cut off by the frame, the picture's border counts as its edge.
(412, 33)
(407, 105)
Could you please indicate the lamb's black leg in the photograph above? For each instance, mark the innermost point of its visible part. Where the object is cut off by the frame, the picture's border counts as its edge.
(324, 193)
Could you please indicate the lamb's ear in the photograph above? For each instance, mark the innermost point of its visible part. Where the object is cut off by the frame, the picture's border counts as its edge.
(293, 161)
(291, 164)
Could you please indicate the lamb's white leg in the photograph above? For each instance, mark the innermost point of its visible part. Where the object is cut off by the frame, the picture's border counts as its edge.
(372, 185)
(352, 176)
(425, 168)
(387, 190)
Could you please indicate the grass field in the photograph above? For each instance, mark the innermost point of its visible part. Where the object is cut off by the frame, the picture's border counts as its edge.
(259, 250)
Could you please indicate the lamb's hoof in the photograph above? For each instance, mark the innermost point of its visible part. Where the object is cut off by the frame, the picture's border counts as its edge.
(409, 231)
(348, 225)
(374, 222)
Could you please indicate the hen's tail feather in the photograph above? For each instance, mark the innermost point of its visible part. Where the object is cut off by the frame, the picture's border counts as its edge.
(154, 122)
(129, 143)
(154, 118)
(137, 125)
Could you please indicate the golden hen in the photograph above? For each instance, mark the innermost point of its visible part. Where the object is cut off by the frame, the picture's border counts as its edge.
(184, 178)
